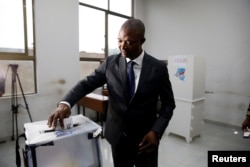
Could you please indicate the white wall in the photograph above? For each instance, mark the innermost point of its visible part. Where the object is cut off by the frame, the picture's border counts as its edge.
(215, 29)
(56, 26)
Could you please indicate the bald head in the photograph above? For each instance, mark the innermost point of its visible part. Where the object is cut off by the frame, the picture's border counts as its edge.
(134, 25)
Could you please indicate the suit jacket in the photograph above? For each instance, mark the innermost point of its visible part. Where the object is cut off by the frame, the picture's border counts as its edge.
(132, 117)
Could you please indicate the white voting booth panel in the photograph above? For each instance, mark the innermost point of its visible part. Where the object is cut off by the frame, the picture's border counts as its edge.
(187, 75)
(187, 119)
(77, 146)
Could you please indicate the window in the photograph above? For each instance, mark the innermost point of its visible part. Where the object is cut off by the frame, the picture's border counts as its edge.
(114, 25)
(103, 4)
(121, 6)
(99, 24)
(17, 47)
(91, 33)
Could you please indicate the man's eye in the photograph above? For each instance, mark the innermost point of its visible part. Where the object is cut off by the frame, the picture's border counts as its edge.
(127, 42)
(130, 42)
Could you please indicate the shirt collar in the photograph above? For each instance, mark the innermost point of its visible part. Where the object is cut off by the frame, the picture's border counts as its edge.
(137, 60)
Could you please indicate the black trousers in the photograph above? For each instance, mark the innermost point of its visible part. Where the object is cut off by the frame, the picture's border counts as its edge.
(126, 154)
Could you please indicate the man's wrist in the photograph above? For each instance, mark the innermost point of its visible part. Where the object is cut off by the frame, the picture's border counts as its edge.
(157, 134)
(66, 103)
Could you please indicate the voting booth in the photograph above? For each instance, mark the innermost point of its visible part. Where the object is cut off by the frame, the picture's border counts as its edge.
(75, 146)
(187, 75)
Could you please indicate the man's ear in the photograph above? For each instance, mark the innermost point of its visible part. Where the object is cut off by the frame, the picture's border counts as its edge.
(143, 40)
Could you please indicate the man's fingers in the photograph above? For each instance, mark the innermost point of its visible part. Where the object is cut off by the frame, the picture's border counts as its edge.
(144, 147)
(61, 122)
(62, 111)
(50, 121)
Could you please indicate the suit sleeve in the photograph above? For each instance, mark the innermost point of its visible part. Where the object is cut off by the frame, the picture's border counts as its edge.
(87, 85)
(167, 103)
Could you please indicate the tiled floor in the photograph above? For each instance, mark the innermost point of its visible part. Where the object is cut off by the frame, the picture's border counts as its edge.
(174, 150)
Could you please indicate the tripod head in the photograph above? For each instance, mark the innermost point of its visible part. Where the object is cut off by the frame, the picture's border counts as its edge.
(13, 67)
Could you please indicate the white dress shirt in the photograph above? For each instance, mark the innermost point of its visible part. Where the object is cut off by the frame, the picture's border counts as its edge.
(137, 67)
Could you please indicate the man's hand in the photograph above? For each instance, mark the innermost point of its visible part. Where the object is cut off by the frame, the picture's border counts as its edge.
(149, 142)
(61, 112)
(246, 123)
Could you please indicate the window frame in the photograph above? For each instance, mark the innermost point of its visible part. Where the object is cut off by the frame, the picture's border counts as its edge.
(107, 13)
(24, 56)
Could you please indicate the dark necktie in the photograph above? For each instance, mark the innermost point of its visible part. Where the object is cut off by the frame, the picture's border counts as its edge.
(131, 77)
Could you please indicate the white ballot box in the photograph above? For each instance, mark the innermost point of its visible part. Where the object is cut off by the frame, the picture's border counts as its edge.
(75, 146)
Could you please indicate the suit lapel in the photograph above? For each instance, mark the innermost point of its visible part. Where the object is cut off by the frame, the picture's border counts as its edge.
(123, 74)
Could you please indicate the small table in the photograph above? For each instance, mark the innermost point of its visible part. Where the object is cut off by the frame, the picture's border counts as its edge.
(96, 102)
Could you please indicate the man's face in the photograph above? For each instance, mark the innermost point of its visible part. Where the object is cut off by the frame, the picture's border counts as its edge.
(130, 43)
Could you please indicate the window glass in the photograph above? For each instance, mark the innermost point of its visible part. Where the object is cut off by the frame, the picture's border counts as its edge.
(91, 33)
(87, 67)
(114, 25)
(98, 3)
(12, 26)
(30, 31)
(121, 6)
(21, 70)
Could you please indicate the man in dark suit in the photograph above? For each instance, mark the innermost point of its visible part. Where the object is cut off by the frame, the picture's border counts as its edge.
(133, 126)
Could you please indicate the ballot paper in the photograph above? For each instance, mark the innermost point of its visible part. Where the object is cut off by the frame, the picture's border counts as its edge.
(39, 132)
(246, 133)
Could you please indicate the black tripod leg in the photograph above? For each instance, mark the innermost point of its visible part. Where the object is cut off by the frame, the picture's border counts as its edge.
(14, 107)
(16, 122)
(13, 126)
(26, 104)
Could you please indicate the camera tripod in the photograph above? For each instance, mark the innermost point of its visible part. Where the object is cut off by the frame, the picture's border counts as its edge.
(14, 99)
